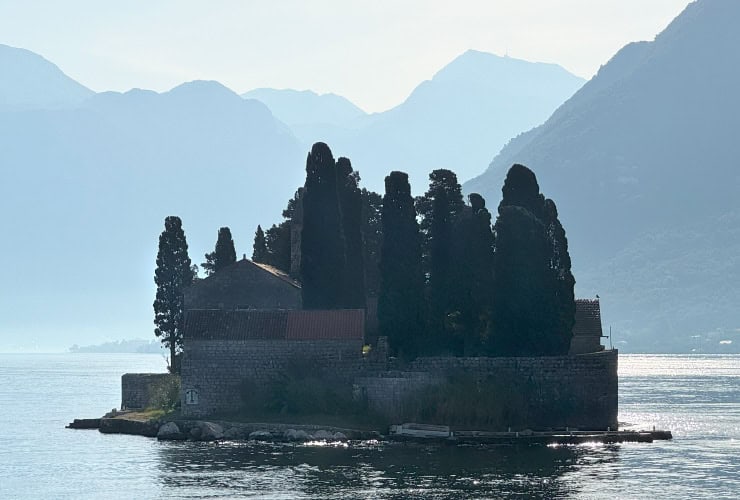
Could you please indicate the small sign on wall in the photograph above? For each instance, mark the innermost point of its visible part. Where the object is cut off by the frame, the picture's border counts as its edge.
(191, 397)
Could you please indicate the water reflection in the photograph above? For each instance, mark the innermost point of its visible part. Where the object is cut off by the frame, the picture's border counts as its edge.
(377, 470)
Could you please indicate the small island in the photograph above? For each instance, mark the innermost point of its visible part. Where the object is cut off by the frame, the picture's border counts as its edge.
(360, 312)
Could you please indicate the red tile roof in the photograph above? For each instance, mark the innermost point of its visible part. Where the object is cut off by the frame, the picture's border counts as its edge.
(588, 318)
(344, 324)
(246, 324)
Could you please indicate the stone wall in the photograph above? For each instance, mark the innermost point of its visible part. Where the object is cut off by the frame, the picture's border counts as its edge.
(214, 371)
(142, 390)
(387, 392)
(574, 391)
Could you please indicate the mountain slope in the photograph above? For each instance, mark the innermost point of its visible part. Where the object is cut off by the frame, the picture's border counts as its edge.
(648, 147)
(31, 82)
(85, 191)
(304, 107)
(455, 120)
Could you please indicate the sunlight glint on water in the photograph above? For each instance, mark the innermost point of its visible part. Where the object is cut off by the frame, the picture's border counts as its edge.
(697, 397)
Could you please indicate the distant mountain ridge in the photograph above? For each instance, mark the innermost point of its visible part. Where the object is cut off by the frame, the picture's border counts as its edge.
(455, 120)
(86, 190)
(645, 152)
(29, 81)
(89, 178)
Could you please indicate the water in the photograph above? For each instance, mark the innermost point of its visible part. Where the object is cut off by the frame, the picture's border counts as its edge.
(698, 397)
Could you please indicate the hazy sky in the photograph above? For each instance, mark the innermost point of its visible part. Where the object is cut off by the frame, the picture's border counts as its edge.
(372, 51)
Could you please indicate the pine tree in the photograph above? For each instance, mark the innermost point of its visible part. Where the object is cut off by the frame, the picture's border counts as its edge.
(172, 275)
(440, 208)
(350, 204)
(322, 243)
(401, 299)
(259, 248)
(223, 255)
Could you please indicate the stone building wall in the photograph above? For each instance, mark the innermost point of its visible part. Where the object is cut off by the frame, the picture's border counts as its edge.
(215, 371)
(141, 390)
(584, 387)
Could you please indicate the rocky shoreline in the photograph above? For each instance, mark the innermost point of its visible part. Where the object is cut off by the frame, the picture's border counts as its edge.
(216, 430)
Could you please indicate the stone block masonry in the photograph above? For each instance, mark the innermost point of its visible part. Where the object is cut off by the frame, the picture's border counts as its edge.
(215, 371)
(560, 391)
(140, 390)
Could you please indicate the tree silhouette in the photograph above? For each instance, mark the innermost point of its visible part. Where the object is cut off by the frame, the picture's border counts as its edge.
(223, 255)
(401, 299)
(350, 204)
(440, 208)
(533, 307)
(322, 243)
(172, 274)
(259, 248)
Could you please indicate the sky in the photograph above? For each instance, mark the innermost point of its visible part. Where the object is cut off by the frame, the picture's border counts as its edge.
(374, 52)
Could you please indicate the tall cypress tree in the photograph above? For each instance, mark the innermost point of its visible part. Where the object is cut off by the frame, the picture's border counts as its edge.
(440, 208)
(259, 248)
(350, 204)
(223, 255)
(322, 243)
(473, 270)
(172, 275)
(401, 299)
(372, 237)
(563, 277)
(533, 308)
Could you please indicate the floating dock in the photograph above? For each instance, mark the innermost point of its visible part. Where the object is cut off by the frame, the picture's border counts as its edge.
(423, 432)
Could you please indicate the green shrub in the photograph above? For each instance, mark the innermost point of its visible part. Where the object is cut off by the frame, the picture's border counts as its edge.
(164, 394)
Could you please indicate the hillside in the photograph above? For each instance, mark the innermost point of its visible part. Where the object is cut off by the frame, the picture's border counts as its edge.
(643, 162)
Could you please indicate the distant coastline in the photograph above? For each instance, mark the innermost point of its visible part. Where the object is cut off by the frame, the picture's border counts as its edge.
(133, 346)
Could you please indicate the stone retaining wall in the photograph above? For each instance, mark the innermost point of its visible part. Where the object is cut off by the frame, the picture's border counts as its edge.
(575, 391)
(215, 371)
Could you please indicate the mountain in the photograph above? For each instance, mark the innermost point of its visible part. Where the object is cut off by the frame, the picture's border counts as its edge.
(305, 107)
(310, 116)
(470, 108)
(31, 82)
(643, 163)
(85, 191)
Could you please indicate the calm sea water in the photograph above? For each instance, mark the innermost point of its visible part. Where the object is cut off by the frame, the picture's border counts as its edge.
(698, 397)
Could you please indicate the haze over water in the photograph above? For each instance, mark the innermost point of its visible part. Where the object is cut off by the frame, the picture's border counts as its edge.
(697, 397)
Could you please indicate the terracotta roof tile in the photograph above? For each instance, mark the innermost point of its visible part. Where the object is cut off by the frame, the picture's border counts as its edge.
(250, 324)
(342, 324)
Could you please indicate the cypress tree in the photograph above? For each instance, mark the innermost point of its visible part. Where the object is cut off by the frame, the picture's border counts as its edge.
(223, 255)
(533, 306)
(401, 299)
(350, 203)
(172, 274)
(440, 208)
(259, 248)
(372, 236)
(473, 260)
(322, 243)
(563, 277)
